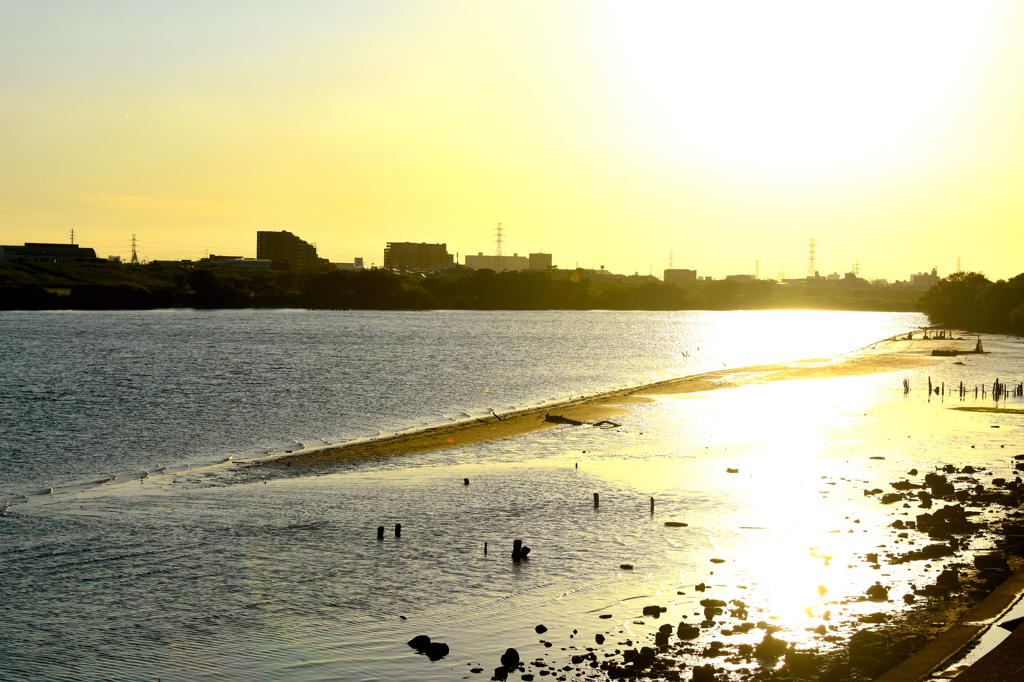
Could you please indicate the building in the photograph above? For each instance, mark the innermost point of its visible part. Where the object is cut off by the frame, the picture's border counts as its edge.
(499, 263)
(285, 247)
(236, 262)
(924, 280)
(47, 253)
(540, 261)
(410, 256)
(680, 276)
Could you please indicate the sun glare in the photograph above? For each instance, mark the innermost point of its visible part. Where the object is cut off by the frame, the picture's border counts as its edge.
(792, 86)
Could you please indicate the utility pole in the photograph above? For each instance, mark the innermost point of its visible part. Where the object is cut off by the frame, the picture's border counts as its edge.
(73, 238)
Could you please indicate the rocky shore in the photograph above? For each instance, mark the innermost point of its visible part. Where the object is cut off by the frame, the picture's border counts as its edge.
(941, 514)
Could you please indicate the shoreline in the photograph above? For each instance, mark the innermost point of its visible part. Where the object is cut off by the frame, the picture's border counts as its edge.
(600, 406)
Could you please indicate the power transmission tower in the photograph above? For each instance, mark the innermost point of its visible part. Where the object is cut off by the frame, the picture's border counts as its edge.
(72, 236)
(958, 264)
(670, 259)
(856, 268)
(810, 261)
(757, 269)
(135, 256)
(498, 260)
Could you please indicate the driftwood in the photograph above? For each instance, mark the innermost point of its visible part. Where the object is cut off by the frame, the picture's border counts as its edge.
(559, 419)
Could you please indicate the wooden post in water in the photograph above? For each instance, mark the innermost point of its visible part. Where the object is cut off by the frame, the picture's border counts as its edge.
(380, 532)
(652, 506)
(398, 530)
(597, 500)
(485, 549)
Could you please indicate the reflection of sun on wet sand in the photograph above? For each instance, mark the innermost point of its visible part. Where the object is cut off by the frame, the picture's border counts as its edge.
(601, 406)
(934, 612)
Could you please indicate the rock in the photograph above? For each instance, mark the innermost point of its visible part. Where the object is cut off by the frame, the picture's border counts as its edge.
(419, 642)
(626, 567)
(872, 557)
(510, 659)
(718, 561)
(435, 651)
(654, 610)
(991, 561)
(675, 524)
(500, 674)
(822, 590)
(704, 673)
(713, 603)
(687, 631)
(889, 498)
(700, 588)
(540, 629)
(770, 648)
(968, 470)
(661, 638)
(878, 593)
(949, 579)
(599, 638)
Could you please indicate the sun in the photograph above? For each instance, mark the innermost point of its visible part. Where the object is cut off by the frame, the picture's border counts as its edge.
(792, 86)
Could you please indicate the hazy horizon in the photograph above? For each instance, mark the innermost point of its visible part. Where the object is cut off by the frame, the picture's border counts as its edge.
(607, 134)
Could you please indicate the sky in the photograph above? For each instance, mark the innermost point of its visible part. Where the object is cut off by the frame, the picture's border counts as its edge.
(721, 137)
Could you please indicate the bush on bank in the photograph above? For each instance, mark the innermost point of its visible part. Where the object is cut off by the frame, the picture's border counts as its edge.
(971, 301)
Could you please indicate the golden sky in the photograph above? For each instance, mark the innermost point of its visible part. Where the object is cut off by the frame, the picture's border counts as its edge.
(605, 133)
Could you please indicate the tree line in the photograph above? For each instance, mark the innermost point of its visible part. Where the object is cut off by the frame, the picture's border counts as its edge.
(106, 287)
(971, 301)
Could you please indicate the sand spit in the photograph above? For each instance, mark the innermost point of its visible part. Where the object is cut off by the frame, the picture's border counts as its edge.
(887, 357)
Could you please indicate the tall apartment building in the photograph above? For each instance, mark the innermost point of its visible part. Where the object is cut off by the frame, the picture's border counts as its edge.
(410, 256)
(285, 246)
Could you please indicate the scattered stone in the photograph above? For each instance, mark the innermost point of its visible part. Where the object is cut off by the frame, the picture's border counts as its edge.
(770, 648)
(626, 567)
(949, 579)
(687, 631)
(718, 561)
(599, 638)
(704, 673)
(675, 524)
(878, 593)
(540, 629)
(654, 610)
